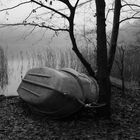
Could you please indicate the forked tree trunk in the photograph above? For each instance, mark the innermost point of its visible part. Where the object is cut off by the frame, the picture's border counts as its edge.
(105, 63)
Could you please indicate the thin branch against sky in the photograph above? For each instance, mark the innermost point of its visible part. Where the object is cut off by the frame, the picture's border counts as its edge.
(45, 14)
(54, 14)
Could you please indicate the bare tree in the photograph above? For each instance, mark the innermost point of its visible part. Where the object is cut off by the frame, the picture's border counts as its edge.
(104, 62)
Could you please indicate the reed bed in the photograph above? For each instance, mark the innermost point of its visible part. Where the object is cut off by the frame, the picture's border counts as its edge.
(3, 70)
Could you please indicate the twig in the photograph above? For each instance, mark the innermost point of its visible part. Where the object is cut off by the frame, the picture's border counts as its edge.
(32, 12)
(66, 2)
(10, 8)
(128, 18)
(30, 32)
(34, 24)
(50, 9)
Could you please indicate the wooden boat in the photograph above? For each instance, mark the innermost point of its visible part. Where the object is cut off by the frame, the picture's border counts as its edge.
(57, 93)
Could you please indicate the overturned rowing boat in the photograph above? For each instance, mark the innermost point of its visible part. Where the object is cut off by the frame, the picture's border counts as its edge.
(57, 93)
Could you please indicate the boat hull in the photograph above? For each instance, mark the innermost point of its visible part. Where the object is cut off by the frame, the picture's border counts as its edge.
(56, 93)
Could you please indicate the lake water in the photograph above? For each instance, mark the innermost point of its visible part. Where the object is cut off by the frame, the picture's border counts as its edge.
(16, 70)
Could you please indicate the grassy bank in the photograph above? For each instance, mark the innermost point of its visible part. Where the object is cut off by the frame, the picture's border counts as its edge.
(18, 122)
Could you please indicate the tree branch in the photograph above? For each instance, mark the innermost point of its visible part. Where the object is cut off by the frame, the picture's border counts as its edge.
(131, 5)
(66, 2)
(63, 15)
(111, 9)
(128, 18)
(33, 11)
(76, 3)
(30, 32)
(34, 24)
(66, 8)
(10, 8)
(134, 15)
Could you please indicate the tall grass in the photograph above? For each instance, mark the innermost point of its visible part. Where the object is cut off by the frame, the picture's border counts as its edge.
(131, 65)
(3, 70)
(55, 58)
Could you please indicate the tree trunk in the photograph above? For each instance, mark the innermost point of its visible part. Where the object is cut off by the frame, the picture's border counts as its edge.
(114, 36)
(102, 74)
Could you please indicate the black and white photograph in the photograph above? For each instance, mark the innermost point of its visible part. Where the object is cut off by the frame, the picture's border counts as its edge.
(70, 69)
